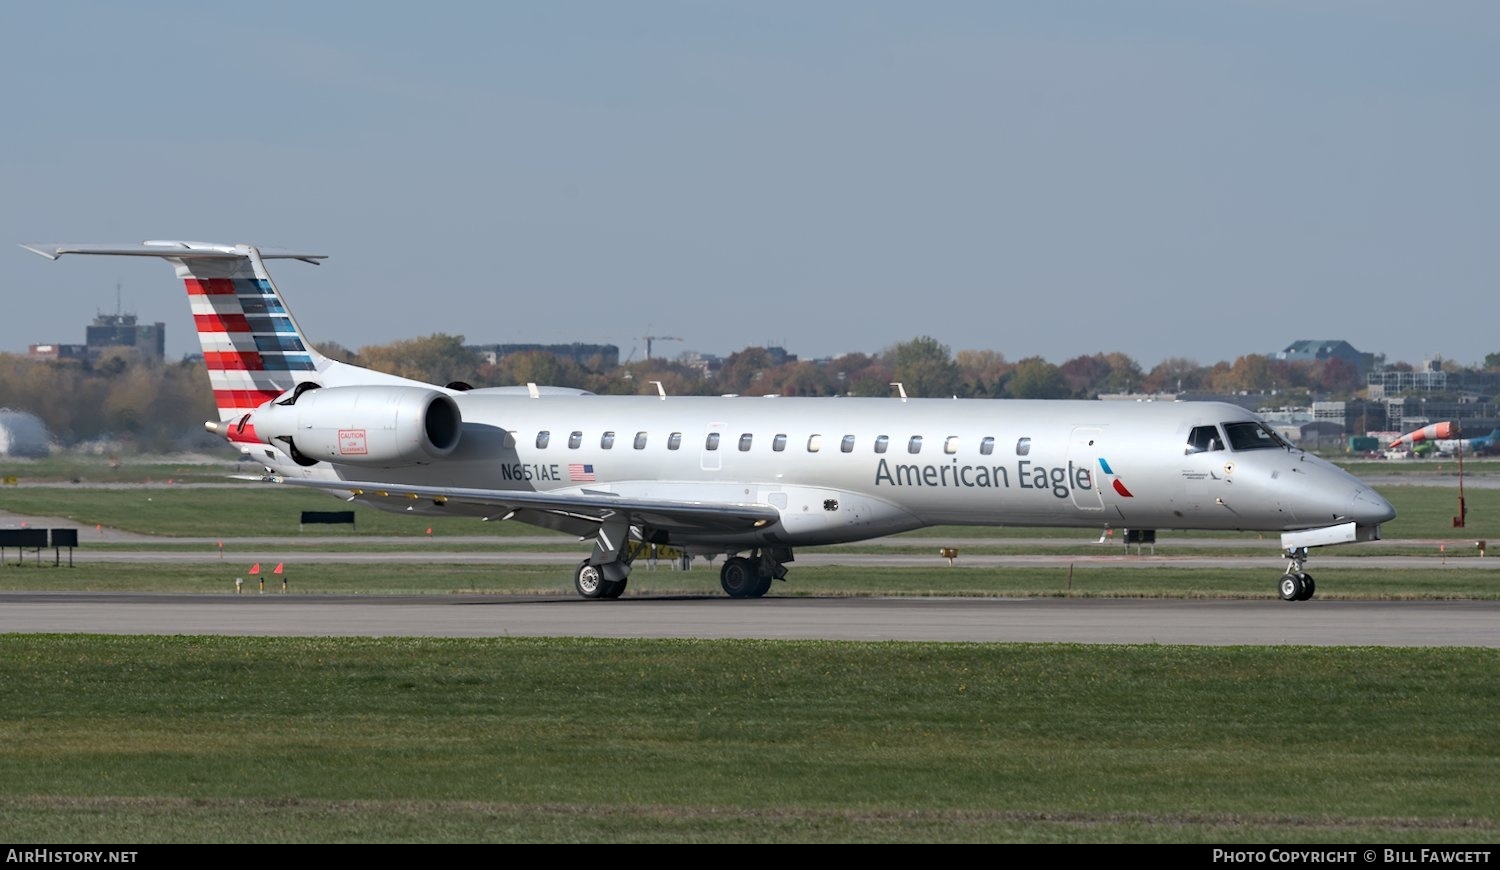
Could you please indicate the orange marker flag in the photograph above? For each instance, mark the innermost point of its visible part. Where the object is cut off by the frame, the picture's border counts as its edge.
(255, 569)
(278, 568)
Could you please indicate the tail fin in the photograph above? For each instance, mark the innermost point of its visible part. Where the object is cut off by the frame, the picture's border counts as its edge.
(252, 347)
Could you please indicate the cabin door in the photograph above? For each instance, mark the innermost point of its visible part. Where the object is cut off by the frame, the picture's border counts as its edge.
(1084, 448)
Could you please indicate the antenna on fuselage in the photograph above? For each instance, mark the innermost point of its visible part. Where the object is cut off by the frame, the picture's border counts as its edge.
(660, 390)
(900, 388)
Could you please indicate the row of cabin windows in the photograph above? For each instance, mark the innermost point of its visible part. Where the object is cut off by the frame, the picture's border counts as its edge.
(778, 442)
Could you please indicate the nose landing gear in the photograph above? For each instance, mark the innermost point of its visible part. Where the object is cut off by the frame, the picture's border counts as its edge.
(1296, 584)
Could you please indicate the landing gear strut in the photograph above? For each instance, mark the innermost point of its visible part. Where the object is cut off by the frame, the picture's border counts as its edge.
(752, 577)
(603, 574)
(1296, 584)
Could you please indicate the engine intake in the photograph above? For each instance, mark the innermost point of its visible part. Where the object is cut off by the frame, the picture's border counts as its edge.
(381, 426)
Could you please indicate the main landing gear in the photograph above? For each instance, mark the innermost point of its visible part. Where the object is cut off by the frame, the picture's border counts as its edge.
(752, 577)
(1296, 584)
(590, 582)
(603, 574)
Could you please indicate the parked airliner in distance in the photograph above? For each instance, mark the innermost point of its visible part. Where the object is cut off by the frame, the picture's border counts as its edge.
(749, 478)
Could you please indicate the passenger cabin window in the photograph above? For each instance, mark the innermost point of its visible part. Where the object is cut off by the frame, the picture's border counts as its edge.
(1204, 438)
(711, 442)
(882, 442)
(814, 443)
(640, 440)
(1252, 436)
(778, 443)
(914, 445)
(847, 445)
(1023, 446)
(950, 444)
(745, 440)
(674, 441)
(607, 440)
(987, 446)
(541, 440)
(575, 440)
(508, 441)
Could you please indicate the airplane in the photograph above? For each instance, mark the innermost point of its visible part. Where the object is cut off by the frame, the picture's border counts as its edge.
(749, 478)
(1482, 445)
(1479, 445)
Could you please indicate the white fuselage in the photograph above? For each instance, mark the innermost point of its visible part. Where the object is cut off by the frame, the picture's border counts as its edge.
(846, 469)
(732, 474)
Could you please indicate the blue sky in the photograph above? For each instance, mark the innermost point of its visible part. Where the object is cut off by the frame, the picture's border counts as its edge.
(1160, 178)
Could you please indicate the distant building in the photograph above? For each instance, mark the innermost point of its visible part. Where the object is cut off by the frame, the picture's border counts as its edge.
(1413, 412)
(706, 364)
(1332, 418)
(1321, 434)
(1310, 351)
(110, 331)
(777, 355)
(597, 357)
(1430, 378)
(58, 351)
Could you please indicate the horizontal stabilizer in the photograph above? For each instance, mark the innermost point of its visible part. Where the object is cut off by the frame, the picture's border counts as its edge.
(172, 249)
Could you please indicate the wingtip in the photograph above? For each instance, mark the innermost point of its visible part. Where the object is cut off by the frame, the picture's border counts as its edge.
(48, 251)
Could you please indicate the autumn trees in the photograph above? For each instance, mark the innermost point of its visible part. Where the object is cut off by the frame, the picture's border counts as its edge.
(162, 404)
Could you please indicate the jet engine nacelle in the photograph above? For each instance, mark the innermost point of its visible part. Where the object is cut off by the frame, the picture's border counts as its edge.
(382, 426)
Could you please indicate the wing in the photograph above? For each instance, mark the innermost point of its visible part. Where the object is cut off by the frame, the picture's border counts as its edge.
(579, 513)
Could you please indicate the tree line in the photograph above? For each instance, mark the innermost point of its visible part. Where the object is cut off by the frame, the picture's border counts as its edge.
(164, 404)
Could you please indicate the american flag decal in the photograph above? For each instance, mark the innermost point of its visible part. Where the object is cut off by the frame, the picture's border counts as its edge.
(580, 472)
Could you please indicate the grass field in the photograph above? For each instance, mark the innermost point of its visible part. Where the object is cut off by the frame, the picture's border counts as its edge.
(1441, 582)
(153, 739)
(234, 510)
(109, 739)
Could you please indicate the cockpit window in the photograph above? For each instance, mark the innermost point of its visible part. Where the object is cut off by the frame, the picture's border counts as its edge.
(1204, 438)
(1252, 436)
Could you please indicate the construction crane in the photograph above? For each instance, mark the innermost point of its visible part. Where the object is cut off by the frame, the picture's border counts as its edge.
(650, 338)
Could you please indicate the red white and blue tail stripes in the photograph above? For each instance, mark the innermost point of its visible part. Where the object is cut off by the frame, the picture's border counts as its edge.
(251, 346)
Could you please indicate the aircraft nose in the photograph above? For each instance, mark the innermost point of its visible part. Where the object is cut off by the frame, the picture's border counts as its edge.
(1371, 508)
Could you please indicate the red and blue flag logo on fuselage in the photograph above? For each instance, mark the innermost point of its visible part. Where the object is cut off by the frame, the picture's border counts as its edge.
(1114, 481)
